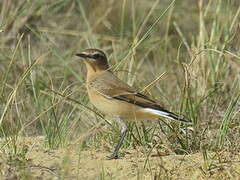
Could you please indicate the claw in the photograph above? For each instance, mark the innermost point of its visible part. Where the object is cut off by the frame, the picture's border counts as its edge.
(113, 156)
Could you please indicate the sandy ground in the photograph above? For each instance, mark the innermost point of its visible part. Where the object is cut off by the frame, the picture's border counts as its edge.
(73, 163)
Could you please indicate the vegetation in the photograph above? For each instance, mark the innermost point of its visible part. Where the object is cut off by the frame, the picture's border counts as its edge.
(184, 54)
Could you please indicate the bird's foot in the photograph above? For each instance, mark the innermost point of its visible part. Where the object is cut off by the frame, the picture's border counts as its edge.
(112, 156)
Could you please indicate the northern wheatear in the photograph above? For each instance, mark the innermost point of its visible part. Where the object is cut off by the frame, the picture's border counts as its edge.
(115, 98)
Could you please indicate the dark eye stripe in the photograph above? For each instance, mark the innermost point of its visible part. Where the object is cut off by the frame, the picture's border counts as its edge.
(97, 56)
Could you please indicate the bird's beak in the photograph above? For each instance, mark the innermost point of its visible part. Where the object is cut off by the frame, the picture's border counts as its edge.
(82, 55)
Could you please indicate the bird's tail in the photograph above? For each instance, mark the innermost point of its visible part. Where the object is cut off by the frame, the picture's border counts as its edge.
(166, 114)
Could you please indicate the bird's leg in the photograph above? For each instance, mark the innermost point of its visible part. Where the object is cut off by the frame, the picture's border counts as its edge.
(123, 126)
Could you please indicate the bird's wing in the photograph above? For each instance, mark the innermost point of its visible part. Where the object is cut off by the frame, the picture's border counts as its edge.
(109, 86)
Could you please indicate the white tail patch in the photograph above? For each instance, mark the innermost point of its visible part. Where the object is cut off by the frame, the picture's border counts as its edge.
(165, 114)
(160, 113)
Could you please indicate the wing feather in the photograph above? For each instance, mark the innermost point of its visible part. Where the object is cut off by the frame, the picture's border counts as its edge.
(113, 88)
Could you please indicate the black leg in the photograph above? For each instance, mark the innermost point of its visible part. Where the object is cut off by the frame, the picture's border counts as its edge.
(123, 125)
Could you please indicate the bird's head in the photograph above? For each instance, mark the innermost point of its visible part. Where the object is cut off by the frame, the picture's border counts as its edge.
(94, 59)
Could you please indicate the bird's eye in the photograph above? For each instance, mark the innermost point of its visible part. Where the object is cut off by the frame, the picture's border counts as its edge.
(96, 56)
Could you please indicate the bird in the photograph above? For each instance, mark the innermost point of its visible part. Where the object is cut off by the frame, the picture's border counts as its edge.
(115, 98)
